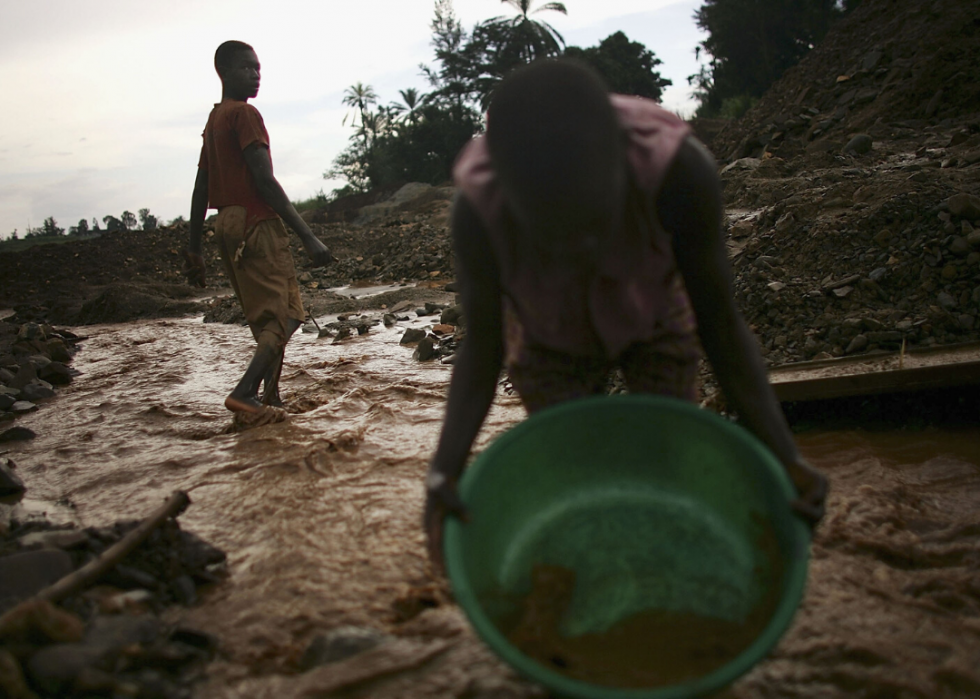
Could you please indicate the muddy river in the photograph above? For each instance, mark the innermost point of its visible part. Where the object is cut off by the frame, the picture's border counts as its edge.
(320, 519)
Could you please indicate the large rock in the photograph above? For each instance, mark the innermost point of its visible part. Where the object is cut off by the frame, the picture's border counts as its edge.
(412, 335)
(10, 482)
(964, 205)
(858, 145)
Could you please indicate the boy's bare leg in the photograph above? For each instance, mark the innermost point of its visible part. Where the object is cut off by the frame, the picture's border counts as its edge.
(243, 397)
(270, 390)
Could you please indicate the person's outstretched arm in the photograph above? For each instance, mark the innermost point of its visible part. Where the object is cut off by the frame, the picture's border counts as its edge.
(196, 269)
(260, 165)
(475, 372)
(690, 208)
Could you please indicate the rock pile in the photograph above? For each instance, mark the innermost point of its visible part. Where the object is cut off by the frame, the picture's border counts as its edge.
(852, 188)
(107, 640)
(34, 359)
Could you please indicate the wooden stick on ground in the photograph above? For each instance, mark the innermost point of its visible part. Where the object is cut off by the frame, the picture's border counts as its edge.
(96, 568)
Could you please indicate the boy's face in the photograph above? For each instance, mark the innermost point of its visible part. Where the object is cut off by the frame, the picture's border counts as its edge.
(241, 78)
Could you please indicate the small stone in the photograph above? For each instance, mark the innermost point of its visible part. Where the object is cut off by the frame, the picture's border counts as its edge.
(388, 319)
(338, 644)
(10, 482)
(967, 321)
(452, 315)
(878, 274)
(412, 335)
(843, 292)
(36, 392)
(22, 406)
(946, 300)
(883, 236)
(857, 344)
(858, 145)
(964, 205)
(56, 373)
(950, 272)
(55, 668)
(443, 329)
(6, 376)
(776, 286)
(425, 350)
(958, 245)
(30, 331)
(6, 403)
(39, 361)
(310, 328)
(25, 375)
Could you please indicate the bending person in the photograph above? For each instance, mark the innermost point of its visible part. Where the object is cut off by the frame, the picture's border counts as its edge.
(588, 236)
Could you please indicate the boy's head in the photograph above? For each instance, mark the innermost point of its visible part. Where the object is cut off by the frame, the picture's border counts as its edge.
(558, 150)
(238, 67)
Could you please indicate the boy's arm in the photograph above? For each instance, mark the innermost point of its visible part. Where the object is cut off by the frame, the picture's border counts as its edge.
(260, 165)
(690, 208)
(196, 269)
(475, 372)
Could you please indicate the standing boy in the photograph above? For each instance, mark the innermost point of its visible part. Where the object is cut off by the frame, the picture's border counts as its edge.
(235, 177)
(588, 237)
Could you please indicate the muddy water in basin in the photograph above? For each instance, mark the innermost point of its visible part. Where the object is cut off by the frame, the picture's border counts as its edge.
(320, 519)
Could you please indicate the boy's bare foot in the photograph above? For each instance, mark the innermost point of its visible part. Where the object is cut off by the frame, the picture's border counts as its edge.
(243, 405)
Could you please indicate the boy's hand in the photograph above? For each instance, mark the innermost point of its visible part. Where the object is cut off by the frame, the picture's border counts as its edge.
(195, 269)
(318, 252)
(811, 486)
(441, 499)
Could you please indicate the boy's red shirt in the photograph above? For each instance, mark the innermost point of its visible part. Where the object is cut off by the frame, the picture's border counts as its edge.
(232, 127)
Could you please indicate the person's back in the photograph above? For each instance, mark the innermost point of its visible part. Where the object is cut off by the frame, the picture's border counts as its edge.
(605, 211)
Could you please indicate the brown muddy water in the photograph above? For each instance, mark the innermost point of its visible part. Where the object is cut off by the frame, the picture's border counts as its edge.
(320, 519)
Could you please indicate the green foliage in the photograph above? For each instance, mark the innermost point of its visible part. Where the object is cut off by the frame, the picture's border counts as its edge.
(128, 220)
(147, 220)
(112, 223)
(80, 229)
(50, 228)
(734, 107)
(418, 138)
(317, 201)
(628, 67)
(752, 42)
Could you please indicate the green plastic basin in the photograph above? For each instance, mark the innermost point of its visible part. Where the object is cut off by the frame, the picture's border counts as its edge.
(654, 503)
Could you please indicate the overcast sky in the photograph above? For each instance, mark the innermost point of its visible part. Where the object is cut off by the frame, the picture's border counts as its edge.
(104, 101)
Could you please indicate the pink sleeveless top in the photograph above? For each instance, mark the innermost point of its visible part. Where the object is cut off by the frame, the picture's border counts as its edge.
(635, 292)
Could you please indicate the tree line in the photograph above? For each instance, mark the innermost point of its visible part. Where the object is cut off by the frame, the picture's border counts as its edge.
(750, 43)
(127, 221)
(417, 138)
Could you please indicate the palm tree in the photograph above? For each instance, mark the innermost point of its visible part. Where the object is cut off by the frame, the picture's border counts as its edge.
(534, 39)
(407, 109)
(361, 97)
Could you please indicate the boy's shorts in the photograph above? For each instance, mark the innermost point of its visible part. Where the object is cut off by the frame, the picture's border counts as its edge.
(666, 365)
(262, 272)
